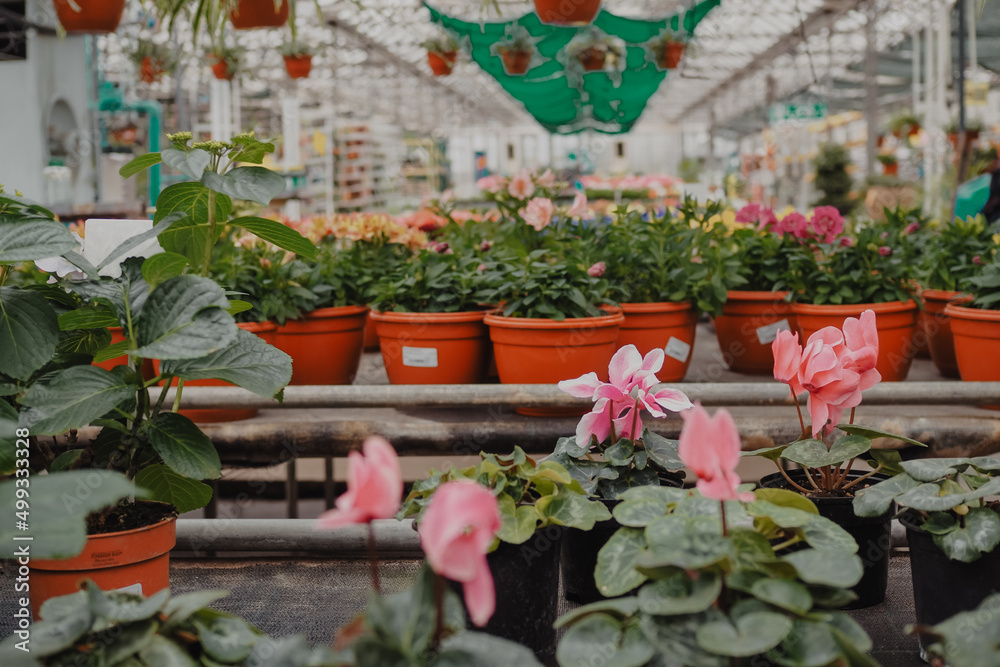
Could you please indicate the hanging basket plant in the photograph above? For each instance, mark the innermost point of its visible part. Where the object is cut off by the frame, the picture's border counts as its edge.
(515, 50)
(595, 51)
(89, 16)
(559, 12)
(153, 60)
(225, 62)
(667, 50)
(298, 59)
(442, 53)
(248, 14)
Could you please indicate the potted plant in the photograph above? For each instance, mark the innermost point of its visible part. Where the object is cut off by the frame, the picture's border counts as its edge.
(441, 54)
(577, 13)
(667, 50)
(890, 164)
(515, 50)
(211, 14)
(429, 319)
(89, 16)
(536, 502)
(612, 452)
(951, 528)
(973, 128)
(596, 53)
(663, 271)
(833, 179)
(722, 575)
(975, 323)
(904, 123)
(298, 58)
(249, 14)
(835, 366)
(757, 306)
(152, 59)
(952, 642)
(845, 276)
(225, 61)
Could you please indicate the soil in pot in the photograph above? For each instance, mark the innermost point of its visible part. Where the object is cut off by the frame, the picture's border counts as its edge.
(937, 328)
(135, 557)
(873, 534)
(558, 12)
(669, 326)
(89, 16)
(749, 323)
(248, 14)
(325, 345)
(896, 322)
(943, 587)
(434, 348)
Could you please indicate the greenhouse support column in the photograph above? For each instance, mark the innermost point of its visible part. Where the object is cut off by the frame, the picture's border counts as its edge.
(915, 59)
(871, 86)
(220, 110)
(929, 108)
(236, 123)
(943, 54)
(963, 161)
(970, 13)
(291, 129)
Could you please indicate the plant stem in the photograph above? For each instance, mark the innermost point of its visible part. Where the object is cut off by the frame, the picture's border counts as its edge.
(722, 510)
(863, 477)
(439, 590)
(798, 408)
(852, 415)
(177, 396)
(635, 420)
(843, 476)
(212, 235)
(614, 436)
(163, 395)
(784, 473)
(787, 543)
(810, 478)
(373, 559)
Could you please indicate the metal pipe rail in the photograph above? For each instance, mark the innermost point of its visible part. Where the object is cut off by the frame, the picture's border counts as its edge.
(394, 539)
(730, 394)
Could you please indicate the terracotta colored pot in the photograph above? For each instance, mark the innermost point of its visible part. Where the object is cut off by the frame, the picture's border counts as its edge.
(937, 330)
(896, 322)
(672, 53)
(441, 63)
(371, 334)
(94, 17)
(298, 66)
(117, 336)
(150, 70)
(434, 348)
(137, 560)
(325, 346)
(258, 14)
(542, 351)
(567, 12)
(667, 325)
(976, 334)
(748, 325)
(221, 69)
(592, 60)
(890, 169)
(516, 62)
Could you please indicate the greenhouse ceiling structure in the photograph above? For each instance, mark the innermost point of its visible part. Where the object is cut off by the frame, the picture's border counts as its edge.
(746, 54)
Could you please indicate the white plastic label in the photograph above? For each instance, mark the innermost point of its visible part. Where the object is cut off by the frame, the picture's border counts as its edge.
(135, 589)
(677, 349)
(420, 357)
(766, 334)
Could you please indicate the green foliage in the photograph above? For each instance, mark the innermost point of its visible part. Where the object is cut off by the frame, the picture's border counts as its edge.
(433, 281)
(545, 285)
(766, 260)
(709, 597)
(985, 287)
(954, 253)
(531, 495)
(968, 639)
(832, 178)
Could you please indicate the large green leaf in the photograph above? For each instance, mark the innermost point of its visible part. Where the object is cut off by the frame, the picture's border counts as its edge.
(678, 594)
(662, 451)
(809, 644)
(568, 508)
(139, 164)
(822, 533)
(977, 534)
(125, 608)
(615, 573)
(8, 437)
(252, 183)
(872, 433)
(482, 650)
(248, 362)
(180, 607)
(814, 454)
(25, 241)
(639, 513)
(190, 163)
(616, 606)
(88, 318)
(927, 497)
(163, 266)
(826, 567)
(517, 522)
(163, 652)
(190, 236)
(226, 639)
(182, 446)
(185, 318)
(685, 542)
(23, 202)
(752, 633)
(877, 499)
(29, 332)
(602, 637)
(252, 150)
(60, 503)
(787, 594)
(675, 638)
(930, 470)
(72, 398)
(166, 486)
(280, 235)
(127, 294)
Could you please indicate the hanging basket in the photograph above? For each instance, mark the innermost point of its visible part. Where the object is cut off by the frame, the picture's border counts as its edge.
(442, 63)
(150, 70)
(220, 68)
(93, 17)
(592, 59)
(516, 63)
(561, 12)
(258, 14)
(670, 56)
(298, 66)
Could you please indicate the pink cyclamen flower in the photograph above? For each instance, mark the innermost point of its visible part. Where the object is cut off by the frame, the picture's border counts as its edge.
(787, 359)
(710, 447)
(374, 486)
(861, 339)
(597, 270)
(539, 212)
(456, 532)
(521, 186)
(827, 223)
(579, 207)
(885, 251)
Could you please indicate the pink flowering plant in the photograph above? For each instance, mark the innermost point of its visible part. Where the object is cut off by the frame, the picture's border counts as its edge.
(834, 367)
(767, 248)
(513, 195)
(720, 575)
(613, 450)
(547, 284)
(435, 280)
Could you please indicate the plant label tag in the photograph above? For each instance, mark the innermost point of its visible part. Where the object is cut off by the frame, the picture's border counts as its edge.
(766, 334)
(677, 349)
(420, 357)
(134, 589)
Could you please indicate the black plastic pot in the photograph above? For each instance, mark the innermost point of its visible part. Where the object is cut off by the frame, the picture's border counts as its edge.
(526, 578)
(873, 535)
(943, 587)
(580, 548)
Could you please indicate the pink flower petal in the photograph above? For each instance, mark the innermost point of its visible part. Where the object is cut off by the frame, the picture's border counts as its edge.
(480, 595)
(582, 387)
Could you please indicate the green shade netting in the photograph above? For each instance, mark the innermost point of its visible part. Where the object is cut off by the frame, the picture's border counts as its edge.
(568, 101)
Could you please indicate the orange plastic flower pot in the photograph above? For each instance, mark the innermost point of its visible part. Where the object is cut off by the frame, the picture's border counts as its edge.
(937, 330)
(748, 325)
(325, 346)
(137, 560)
(94, 16)
(592, 60)
(117, 336)
(371, 334)
(896, 322)
(150, 70)
(542, 351)
(298, 67)
(976, 333)
(567, 12)
(667, 325)
(516, 62)
(434, 348)
(249, 14)
(672, 54)
(221, 70)
(441, 63)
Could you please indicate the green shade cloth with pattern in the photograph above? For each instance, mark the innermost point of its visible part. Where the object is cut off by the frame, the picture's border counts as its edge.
(564, 98)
